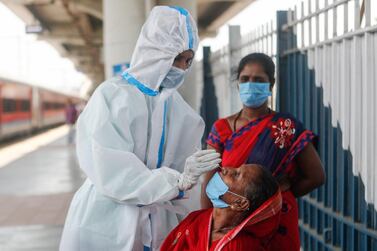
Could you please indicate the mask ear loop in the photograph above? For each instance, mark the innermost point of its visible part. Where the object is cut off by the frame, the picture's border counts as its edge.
(237, 195)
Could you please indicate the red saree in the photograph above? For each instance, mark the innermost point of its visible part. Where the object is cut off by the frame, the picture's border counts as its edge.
(254, 233)
(272, 141)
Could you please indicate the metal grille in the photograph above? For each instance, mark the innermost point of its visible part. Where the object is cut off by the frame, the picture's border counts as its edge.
(327, 79)
(326, 53)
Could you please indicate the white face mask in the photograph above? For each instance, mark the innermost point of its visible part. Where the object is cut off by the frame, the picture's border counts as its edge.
(174, 78)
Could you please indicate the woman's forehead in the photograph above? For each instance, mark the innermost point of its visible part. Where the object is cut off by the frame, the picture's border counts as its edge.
(250, 172)
(253, 69)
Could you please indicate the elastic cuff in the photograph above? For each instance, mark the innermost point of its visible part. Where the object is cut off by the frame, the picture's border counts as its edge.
(180, 195)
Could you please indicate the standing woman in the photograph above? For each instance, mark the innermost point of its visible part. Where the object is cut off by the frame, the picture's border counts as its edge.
(136, 140)
(277, 141)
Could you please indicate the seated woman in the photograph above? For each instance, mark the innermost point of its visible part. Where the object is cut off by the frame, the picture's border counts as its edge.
(245, 214)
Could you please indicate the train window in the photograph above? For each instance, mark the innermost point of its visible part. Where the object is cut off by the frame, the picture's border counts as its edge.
(46, 106)
(58, 106)
(53, 106)
(9, 105)
(25, 105)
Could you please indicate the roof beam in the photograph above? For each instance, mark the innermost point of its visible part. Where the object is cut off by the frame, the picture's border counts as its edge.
(62, 39)
(85, 67)
(31, 2)
(214, 1)
(228, 14)
(207, 33)
(71, 40)
(81, 58)
(65, 33)
(79, 53)
(91, 7)
(60, 48)
(82, 23)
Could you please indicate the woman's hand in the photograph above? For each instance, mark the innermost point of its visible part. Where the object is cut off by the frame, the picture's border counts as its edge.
(310, 173)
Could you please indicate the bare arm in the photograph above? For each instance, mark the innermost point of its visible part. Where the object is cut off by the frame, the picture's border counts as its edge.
(205, 202)
(310, 172)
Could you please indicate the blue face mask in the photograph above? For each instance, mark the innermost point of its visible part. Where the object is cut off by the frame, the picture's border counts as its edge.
(174, 78)
(216, 188)
(254, 94)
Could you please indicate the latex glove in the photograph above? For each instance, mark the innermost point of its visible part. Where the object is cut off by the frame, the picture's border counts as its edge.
(200, 162)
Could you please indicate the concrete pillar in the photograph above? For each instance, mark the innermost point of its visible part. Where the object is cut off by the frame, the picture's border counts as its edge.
(149, 4)
(122, 24)
(190, 89)
(234, 58)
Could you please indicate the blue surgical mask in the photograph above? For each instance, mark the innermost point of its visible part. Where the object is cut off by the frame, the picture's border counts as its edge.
(174, 78)
(216, 188)
(253, 94)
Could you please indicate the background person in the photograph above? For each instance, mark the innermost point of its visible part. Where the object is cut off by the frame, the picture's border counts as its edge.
(71, 115)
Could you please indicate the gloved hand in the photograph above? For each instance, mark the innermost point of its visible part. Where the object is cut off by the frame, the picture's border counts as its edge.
(200, 162)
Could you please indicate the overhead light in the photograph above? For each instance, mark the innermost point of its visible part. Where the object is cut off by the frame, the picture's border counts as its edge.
(33, 29)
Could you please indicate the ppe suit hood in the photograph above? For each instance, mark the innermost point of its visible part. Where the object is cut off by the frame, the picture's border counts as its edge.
(167, 32)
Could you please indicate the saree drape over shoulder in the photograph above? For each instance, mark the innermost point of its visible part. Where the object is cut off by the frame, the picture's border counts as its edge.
(254, 233)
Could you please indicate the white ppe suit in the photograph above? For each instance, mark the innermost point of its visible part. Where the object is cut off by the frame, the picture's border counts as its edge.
(132, 143)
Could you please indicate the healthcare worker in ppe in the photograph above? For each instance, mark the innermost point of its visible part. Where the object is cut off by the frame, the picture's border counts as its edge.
(136, 142)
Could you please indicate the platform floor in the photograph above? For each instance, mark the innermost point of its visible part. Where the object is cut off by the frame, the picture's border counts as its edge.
(38, 177)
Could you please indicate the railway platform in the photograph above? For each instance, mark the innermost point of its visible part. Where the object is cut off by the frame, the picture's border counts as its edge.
(38, 177)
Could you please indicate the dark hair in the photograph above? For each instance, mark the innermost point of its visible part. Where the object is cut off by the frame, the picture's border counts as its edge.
(263, 186)
(259, 58)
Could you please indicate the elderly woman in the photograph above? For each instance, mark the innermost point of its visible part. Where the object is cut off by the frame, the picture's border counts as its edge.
(245, 216)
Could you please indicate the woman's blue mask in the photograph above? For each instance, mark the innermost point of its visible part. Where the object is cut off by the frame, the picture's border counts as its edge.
(174, 78)
(215, 189)
(254, 94)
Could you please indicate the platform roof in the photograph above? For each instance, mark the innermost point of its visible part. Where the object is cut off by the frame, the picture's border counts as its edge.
(75, 27)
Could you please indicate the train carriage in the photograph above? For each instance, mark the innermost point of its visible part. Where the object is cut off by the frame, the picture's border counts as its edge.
(25, 108)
